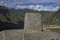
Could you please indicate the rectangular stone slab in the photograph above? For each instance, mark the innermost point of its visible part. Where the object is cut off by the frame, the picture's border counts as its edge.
(32, 22)
(32, 26)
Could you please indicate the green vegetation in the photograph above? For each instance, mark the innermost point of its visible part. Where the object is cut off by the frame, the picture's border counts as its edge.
(11, 18)
(11, 15)
(54, 18)
(15, 18)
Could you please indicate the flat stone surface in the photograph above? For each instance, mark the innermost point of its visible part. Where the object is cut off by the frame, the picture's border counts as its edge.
(48, 35)
(2, 35)
(32, 35)
(42, 36)
(32, 25)
(14, 34)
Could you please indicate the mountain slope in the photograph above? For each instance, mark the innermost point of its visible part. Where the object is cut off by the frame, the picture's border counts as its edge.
(55, 18)
(10, 18)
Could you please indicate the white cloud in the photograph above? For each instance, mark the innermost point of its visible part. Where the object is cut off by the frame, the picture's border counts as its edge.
(12, 3)
(39, 7)
(20, 7)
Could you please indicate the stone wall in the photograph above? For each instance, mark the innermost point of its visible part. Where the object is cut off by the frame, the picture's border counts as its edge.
(32, 26)
(12, 35)
(32, 30)
(32, 22)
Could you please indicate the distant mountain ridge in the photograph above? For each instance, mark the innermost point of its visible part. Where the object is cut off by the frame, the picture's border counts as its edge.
(45, 6)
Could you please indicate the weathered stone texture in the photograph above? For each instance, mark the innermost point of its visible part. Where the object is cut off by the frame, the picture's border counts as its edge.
(14, 34)
(2, 35)
(32, 22)
(32, 26)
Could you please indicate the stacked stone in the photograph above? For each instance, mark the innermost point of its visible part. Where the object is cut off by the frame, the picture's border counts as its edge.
(32, 26)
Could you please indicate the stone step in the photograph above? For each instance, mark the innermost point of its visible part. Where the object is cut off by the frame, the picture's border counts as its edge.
(12, 35)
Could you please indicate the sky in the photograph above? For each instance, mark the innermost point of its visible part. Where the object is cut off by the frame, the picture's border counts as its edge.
(18, 3)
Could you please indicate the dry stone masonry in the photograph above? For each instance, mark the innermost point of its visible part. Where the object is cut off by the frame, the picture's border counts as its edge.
(32, 26)
(32, 22)
(32, 30)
